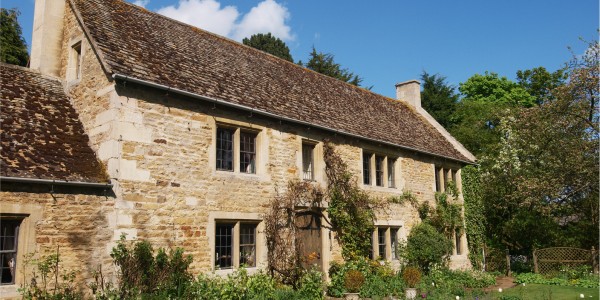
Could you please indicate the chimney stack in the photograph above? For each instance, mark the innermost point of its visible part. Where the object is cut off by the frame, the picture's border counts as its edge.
(409, 92)
(46, 42)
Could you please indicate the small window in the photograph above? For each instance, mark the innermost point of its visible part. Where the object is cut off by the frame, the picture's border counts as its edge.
(391, 172)
(394, 242)
(235, 244)
(366, 168)
(381, 242)
(9, 236)
(438, 179)
(379, 170)
(224, 246)
(248, 245)
(457, 235)
(247, 152)
(308, 161)
(224, 149)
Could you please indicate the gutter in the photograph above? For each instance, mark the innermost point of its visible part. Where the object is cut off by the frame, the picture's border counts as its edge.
(272, 115)
(56, 182)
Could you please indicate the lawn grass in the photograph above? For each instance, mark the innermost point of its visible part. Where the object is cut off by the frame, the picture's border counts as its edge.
(547, 292)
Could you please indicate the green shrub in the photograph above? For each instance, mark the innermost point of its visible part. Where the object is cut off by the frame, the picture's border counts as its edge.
(311, 285)
(426, 247)
(454, 282)
(48, 281)
(143, 274)
(566, 277)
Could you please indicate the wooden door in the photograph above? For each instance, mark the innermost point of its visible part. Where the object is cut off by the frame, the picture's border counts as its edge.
(310, 242)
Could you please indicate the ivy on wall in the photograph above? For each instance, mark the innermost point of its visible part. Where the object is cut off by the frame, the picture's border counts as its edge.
(474, 214)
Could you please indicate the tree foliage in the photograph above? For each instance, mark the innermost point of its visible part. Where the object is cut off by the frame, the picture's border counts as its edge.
(324, 63)
(539, 83)
(542, 177)
(438, 98)
(489, 87)
(426, 247)
(270, 44)
(13, 48)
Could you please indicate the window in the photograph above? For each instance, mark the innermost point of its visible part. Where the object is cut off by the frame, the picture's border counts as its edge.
(391, 172)
(236, 150)
(224, 149)
(387, 242)
(457, 236)
(394, 242)
(9, 235)
(443, 177)
(381, 166)
(308, 172)
(366, 168)
(74, 70)
(381, 237)
(235, 245)
(247, 152)
(379, 170)
(248, 245)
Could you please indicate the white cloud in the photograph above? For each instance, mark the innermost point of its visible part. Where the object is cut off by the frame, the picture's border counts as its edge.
(267, 16)
(205, 14)
(141, 3)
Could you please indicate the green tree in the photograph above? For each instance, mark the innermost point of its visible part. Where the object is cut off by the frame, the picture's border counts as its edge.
(270, 44)
(539, 83)
(13, 48)
(476, 117)
(438, 98)
(324, 63)
(492, 88)
(542, 177)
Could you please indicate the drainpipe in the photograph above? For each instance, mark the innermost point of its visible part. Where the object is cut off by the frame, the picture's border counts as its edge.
(55, 182)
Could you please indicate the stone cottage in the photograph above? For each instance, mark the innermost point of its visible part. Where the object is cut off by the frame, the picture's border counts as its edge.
(197, 133)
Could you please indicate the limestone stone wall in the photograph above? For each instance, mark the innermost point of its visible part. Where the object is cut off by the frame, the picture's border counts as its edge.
(74, 224)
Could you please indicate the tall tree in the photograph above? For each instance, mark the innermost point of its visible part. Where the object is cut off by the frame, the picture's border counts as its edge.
(476, 118)
(539, 83)
(542, 178)
(270, 44)
(438, 98)
(13, 48)
(324, 63)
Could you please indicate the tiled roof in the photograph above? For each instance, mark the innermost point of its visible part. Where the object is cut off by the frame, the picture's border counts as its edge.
(137, 43)
(41, 136)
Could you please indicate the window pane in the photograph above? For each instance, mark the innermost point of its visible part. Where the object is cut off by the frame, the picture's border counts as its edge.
(438, 184)
(224, 246)
(248, 245)
(247, 152)
(391, 172)
(224, 149)
(379, 170)
(457, 240)
(381, 242)
(366, 168)
(394, 238)
(9, 234)
(307, 162)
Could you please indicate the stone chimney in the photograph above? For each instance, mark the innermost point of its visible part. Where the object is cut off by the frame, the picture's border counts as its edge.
(46, 42)
(409, 92)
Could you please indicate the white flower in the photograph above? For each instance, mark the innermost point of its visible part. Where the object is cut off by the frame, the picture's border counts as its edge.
(581, 296)
(523, 283)
(433, 284)
(500, 290)
(457, 297)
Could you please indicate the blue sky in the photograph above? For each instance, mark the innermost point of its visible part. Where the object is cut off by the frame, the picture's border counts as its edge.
(386, 42)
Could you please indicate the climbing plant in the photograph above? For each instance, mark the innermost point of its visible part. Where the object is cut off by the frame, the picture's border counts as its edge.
(351, 210)
(474, 214)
